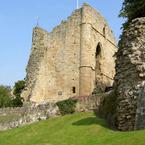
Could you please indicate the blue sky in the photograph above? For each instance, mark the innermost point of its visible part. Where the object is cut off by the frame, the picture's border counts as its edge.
(18, 17)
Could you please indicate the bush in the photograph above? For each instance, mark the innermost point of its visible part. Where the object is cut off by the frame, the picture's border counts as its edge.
(67, 106)
(18, 88)
(5, 96)
(132, 9)
(17, 101)
(9, 100)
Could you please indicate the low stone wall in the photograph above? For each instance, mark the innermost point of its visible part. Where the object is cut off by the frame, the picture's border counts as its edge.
(89, 103)
(15, 117)
(30, 113)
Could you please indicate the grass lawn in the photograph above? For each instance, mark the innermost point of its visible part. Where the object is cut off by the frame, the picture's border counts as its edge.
(76, 129)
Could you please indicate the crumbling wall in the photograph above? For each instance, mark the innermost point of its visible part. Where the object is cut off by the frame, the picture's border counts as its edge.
(36, 56)
(130, 77)
(30, 113)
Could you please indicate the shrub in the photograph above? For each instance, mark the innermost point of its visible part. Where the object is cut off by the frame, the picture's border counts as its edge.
(18, 88)
(5, 96)
(132, 9)
(67, 106)
(17, 101)
(9, 100)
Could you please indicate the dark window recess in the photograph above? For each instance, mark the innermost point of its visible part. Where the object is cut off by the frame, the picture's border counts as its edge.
(74, 89)
(98, 50)
(107, 89)
(104, 31)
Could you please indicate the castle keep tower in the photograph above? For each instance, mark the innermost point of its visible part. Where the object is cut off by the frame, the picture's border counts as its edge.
(72, 60)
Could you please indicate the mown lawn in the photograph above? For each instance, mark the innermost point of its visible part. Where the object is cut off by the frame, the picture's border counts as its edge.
(76, 129)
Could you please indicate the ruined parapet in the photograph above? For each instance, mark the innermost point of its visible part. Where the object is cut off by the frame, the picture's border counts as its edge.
(130, 77)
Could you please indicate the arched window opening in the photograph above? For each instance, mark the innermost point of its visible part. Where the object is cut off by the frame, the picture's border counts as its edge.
(98, 50)
(98, 73)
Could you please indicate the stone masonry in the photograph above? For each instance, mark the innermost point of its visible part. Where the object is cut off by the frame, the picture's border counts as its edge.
(130, 77)
(29, 113)
(72, 60)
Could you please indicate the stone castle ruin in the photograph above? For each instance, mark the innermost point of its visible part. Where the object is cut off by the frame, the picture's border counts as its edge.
(79, 58)
(72, 60)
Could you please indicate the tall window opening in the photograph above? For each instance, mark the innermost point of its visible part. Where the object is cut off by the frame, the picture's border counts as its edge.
(104, 31)
(98, 56)
(98, 50)
(74, 90)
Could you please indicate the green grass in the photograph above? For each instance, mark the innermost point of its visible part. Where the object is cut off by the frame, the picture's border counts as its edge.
(77, 129)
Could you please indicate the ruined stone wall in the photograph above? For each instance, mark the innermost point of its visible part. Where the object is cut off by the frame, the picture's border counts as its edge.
(30, 113)
(130, 77)
(64, 63)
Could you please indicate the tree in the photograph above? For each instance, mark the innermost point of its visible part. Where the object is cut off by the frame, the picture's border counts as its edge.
(132, 9)
(18, 88)
(5, 96)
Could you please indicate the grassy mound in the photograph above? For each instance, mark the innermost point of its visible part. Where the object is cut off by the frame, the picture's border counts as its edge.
(76, 129)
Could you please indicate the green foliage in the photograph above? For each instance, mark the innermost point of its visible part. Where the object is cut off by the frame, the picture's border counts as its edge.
(67, 106)
(107, 108)
(5, 96)
(109, 103)
(7, 100)
(18, 88)
(76, 129)
(132, 9)
(17, 101)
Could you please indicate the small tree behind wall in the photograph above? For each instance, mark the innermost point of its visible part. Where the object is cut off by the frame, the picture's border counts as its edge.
(132, 9)
(5, 96)
(18, 88)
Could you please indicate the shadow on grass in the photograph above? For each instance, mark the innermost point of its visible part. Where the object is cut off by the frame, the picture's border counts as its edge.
(91, 121)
